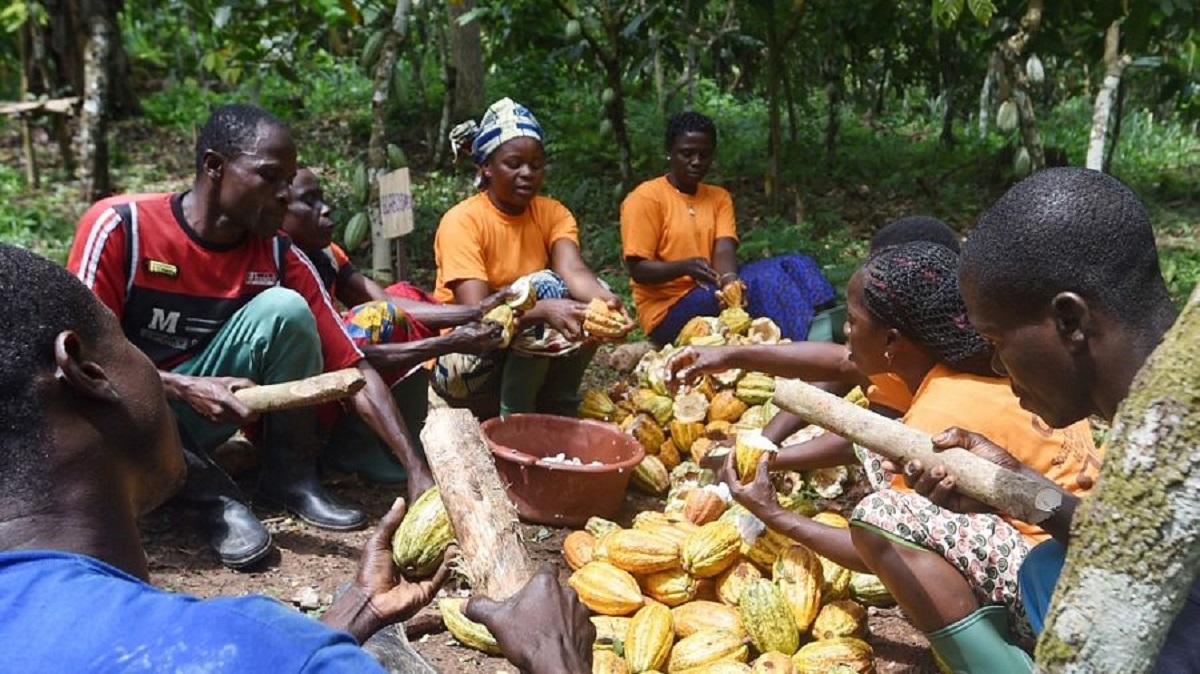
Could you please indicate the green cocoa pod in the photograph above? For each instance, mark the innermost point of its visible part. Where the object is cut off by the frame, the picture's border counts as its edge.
(370, 52)
(1034, 70)
(1022, 163)
(356, 231)
(362, 185)
(1006, 118)
(396, 158)
(573, 30)
(608, 96)
(606, 127)
(423, 536)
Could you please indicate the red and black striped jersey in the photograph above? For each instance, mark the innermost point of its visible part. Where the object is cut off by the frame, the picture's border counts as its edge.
(172, 291)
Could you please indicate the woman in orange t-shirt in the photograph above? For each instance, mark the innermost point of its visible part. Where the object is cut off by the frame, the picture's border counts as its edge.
(680, 242)
(953, 574)
(505, 233)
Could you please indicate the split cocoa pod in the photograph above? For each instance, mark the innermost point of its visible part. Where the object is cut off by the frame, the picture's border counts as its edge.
(603, 321)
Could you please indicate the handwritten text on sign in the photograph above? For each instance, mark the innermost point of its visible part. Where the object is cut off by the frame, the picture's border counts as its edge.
(395, 203)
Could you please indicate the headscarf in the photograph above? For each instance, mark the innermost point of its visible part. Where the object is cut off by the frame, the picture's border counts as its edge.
(503, 121)
(914, 288)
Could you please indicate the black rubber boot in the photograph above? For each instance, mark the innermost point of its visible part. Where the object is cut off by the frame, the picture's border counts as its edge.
(289, 475)
(235, 534)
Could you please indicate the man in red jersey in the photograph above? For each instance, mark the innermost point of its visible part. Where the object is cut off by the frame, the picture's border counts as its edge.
(203, 286)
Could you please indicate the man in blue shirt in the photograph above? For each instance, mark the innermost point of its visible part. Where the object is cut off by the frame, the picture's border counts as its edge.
(87, 444)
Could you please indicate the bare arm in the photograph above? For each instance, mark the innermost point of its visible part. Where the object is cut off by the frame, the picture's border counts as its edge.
(653, 272)
(375, 405)
(725, 259)
(360, 288)
(810, 361)
(567, 262)
(475, 338)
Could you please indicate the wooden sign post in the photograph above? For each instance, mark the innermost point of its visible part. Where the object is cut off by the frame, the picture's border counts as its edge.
(396, 212)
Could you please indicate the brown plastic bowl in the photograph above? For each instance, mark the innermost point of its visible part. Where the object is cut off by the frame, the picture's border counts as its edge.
(556, 493)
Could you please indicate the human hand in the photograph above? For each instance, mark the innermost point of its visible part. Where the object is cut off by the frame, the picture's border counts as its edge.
(758, 496)
(699, 269)
(565, 316)
(937, 483)
(615, 305)
(213, 398)
(379, 594)
(688, 365)
(477, 338)
(542, 628)
(494, 300)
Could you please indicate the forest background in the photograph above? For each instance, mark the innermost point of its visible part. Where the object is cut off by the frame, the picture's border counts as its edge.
(834, 117)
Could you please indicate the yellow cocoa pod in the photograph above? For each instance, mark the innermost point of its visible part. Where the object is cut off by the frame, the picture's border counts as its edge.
(651, 476)
(606, 589)
(648, 642)
(671, 588)
(725, 406)
(608, 662)
(711, 549)
(766, 548)
(708, 340)
(720, 667)
(832, 519)
(836, 583)
(609, 630)
(578, 548)
(706, 616)
(423, 536)
(731, 583)
(703, 648)
(755, 388)
(751, 446)
(703, 506)
(733, 294)
(668, 531)
(735, 320)
(465, 631)
(841, 618)
(647, 430)
(598, 526)
(700, 326)
(844, 654)
(767, 618)
(601, 321)
(685, 433)
(705, 386)
(754, 418)
(668, 453)
(597, 405)
(797, 572)
(658, 406)
(649, 518)
(773, 662)
(641, 552)
(503, 316)
(867, 589)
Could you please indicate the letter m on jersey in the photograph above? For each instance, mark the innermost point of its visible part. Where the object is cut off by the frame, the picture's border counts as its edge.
(164, 321)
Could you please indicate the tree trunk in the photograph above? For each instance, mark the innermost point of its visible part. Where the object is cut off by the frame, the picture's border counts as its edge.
(774, 133)
(466, 51)
(381, 253)
(1012, 50)
(616, 115)
(447, 118)
(660, 97)
(948, 81)
(1135, 543)
(985, 92)
(95, 111)
(491, 552)
(1118, 115)
(1114, 66)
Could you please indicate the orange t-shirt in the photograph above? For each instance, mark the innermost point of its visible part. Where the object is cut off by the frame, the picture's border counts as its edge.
(889, 390)
(986, 405)
(476, 240)
(658, 222)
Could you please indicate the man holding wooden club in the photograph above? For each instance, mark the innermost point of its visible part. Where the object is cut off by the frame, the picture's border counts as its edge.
(203, 285)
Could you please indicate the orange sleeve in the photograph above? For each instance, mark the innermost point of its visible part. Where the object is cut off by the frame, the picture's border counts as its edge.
(641, 226)
(458, 252)
(340, 259)
(726, 219)
(562, 224)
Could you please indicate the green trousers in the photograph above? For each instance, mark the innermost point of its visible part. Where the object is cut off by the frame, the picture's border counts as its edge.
(540, 384)
(272, 339)
(354, 448)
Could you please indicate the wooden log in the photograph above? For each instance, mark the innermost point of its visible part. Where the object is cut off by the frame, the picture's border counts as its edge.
(1012, 493)
(492, 553)
(322, 388)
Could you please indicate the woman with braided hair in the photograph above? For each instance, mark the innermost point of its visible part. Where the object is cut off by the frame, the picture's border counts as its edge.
(955, 575)
(679, 240)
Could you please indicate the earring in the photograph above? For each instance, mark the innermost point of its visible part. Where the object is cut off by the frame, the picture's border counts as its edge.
(888, 355)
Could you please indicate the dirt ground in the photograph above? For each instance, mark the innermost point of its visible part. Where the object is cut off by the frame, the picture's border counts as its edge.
(311, 563)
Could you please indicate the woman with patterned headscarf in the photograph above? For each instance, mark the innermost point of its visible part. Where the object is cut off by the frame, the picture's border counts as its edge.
(507, 232)
(954, 574)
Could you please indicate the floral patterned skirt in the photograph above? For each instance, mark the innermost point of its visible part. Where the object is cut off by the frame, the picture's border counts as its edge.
(986, 550)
